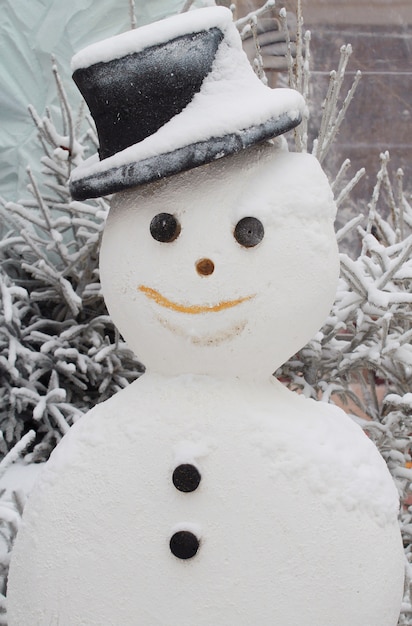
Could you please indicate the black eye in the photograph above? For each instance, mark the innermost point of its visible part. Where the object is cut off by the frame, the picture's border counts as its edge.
(164, 227)
(249, 232)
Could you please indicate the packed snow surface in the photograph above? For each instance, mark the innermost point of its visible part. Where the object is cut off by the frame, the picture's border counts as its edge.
(293, 501)
(297, 436)
(154, 35)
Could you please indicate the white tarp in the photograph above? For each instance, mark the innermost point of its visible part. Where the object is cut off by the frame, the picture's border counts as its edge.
(30, 32)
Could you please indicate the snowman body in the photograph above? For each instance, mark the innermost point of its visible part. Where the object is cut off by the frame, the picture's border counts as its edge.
(293, 516)
(291, 513)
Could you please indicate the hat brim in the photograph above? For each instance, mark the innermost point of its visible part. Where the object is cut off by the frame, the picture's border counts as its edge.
(107, 181)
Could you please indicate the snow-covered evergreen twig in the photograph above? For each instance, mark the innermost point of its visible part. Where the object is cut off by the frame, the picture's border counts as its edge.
(244, 22)
(258, 61)
(17, 451)
(332, 115)
(11, 511)
(133, 23)
(186, 6)
(333, 109)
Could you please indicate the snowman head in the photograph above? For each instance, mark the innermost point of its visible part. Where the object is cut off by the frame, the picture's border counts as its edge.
(227, 269)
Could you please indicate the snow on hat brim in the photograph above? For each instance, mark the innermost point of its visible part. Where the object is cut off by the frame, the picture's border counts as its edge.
(232, 111)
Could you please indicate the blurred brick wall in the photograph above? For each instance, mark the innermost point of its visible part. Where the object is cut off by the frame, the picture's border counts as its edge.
(380, 116)
(356, 11)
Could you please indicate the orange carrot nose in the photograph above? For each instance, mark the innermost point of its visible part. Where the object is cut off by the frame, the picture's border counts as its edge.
(205, 267)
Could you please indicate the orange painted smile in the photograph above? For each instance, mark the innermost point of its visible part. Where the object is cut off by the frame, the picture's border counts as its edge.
(157, 297)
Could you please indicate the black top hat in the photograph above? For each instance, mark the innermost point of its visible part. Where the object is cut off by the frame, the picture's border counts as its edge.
(170, 96)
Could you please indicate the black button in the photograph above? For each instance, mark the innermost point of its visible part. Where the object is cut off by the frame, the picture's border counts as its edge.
(184, 544)
(186, 477)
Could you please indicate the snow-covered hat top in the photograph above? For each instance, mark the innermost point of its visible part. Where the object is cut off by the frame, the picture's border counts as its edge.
(170, 96)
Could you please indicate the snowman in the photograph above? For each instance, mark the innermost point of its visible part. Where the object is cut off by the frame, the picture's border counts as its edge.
(206, 493)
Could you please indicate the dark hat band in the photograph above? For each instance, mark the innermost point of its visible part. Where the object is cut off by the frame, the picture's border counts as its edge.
(199, 153)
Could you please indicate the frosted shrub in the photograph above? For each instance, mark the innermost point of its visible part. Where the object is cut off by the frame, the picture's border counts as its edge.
(59, 352)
